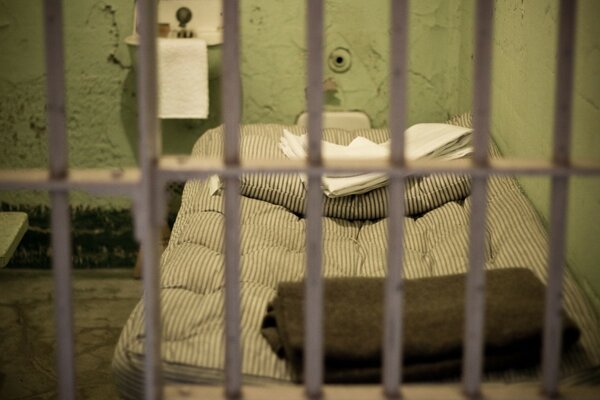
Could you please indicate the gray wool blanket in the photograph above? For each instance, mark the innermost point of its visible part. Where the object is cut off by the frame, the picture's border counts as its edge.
(433, 325)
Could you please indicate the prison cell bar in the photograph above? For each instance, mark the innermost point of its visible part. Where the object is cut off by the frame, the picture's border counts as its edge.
(231, 106)
(147, 216)
(181, 168)
(313, 311)
(59, 182)
(559, 192)
(475, 286)
(59, 199)
(394, 289)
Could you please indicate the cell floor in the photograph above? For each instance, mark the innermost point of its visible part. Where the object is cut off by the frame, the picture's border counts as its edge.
(102, 301)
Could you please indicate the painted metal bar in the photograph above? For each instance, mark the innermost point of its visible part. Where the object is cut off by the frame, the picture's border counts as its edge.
(56, 92)
(416, 391)
(233, 355)
(63, 308)
(172, 169)
(475, 290)
(313, 312)
(231, 106)
(231, 82)
(560, 186)
(59, 217)
(484, 27)
(148, 227)
(314, 92)
(394, 288)
(101, 181)
(398, 78)
(183, 168)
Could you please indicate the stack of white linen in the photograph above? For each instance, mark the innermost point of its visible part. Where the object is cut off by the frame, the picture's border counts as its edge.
(431, 140)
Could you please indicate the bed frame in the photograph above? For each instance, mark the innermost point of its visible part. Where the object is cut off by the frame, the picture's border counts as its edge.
(146, 185)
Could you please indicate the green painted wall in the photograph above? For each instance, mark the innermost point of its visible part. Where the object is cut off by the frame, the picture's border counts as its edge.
(101, 86)
(101, 83)
(101, 93)
(524, 74)
(274, 53)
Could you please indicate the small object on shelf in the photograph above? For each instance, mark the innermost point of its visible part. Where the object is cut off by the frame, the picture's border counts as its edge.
(164, 30)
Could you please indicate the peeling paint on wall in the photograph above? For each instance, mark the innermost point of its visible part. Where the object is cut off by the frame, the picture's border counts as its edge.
(101, 82)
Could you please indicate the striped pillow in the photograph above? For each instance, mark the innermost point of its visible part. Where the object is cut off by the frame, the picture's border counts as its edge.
(287, 190)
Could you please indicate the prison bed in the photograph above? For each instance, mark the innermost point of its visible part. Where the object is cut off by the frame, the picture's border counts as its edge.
(354, 240)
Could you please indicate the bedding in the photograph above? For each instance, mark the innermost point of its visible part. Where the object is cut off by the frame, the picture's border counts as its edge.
(433, 325)
(354, 240)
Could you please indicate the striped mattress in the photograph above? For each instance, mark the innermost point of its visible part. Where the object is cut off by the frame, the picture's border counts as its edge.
(354, 240)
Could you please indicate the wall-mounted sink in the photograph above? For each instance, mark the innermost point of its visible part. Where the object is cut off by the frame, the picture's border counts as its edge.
(198, 19)
(202, 19)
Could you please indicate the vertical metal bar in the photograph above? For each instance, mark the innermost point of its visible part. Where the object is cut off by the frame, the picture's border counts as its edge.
(233, 357)
(394, 289)
(231, 116)
(313, 348)
(313, 313)
(63, 308)
(55, 86)
(484, 21)
(475, 292)
(148, 227)
(398, 80)
(59, 218)
(231, 81)
(562, 143)
(475, 296)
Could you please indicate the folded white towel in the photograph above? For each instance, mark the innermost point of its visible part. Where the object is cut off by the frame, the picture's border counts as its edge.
(182, 78)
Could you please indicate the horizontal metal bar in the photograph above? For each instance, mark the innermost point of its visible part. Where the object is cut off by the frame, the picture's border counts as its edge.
(490, 391)
(183, 168)
(93, 180)
(126, 181)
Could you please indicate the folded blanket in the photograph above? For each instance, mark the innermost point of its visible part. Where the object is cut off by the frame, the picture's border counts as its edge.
(433, 325)
(441, 141)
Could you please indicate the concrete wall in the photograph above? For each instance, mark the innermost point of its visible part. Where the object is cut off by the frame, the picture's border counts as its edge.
(522, 113)
(101, 93)
(101, 83)
(274, 59)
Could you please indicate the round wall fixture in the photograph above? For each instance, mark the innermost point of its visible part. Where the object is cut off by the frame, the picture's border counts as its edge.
(340, 60)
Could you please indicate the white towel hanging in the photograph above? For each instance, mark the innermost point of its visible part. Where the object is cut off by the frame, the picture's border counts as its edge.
(182, 78)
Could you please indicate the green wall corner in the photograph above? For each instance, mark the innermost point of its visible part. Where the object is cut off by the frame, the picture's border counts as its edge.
(524, 76)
